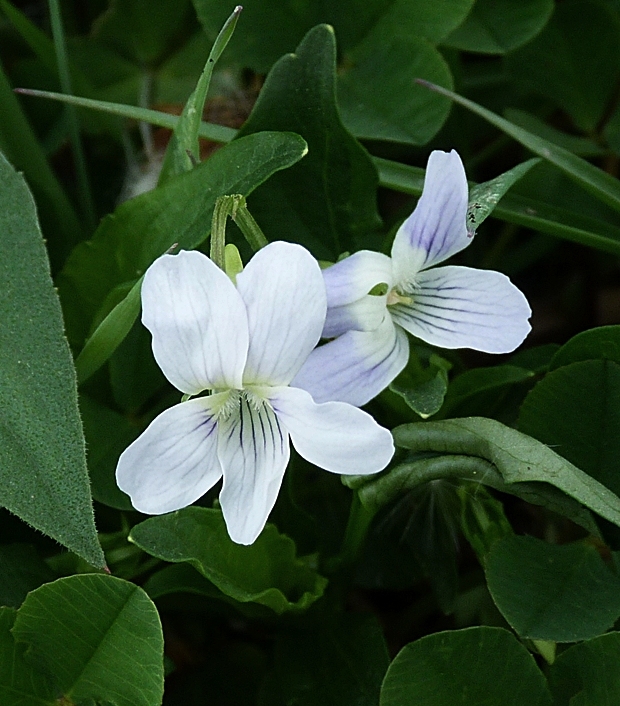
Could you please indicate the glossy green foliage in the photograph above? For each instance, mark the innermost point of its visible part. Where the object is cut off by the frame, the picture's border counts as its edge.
(465, 667)
(266, 572)
(546, 592)
(43, 475)
(586, 673)
(119, 634)
(327, 202)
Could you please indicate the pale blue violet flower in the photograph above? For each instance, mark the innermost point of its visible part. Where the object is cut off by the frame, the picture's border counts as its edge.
(449, 307)
(245, 344)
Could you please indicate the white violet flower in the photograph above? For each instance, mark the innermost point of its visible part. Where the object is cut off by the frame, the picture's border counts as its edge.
(245, 344)
(449, 307)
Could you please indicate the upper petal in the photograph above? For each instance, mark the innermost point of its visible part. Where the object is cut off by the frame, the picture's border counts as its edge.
(198, 322)
(253, 449)
(355, 367)
(352, 278)
(437, 228)
(284, 295)
(335, 436)
(174, 461)
(461, 307)
(365, 314)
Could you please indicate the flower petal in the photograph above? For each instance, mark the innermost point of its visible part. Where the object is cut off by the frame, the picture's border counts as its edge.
(254, 450)
(365, 314)
(174, 461)
(284, 295)
(198, 322)
(437, 228)
(461, 307)
(355, 367)
(335, 436)
(352, 278)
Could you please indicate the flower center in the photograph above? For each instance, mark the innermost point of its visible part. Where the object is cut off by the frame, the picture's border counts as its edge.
(395, 297)
(233, 402)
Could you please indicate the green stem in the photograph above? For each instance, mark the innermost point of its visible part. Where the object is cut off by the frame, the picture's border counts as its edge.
(221, 211)
(249, 227)
(360, 519)
(60, 46)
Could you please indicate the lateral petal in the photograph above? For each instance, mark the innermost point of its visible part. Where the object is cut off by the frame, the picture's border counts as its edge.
(174, 461)
(350, 279)
(437, 228)
(284, 295)
(356, 366)
(253, 449)
(365, 314)
(198, 322)
(335, 436)
(461, 307)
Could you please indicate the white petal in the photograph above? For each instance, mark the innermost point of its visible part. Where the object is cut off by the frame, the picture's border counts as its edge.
(335, 436)
(352, 278)
(284, 295)
(365, 314)
(253, 449)
(355, 367)
(460, 307)
(174, 461)
(437, 228)
(198, 322)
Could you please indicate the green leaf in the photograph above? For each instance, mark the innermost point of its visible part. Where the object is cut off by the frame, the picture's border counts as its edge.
(498, 26)
(266, 572)
(271, 28)
(465, 667)
(488, 452)
(179, 212)
(602, 343)
(423, 387)
(21, 571)
(582, 146)
(574, 61)
(183, 148)
(20, 684)
(120, 655)
(43, 477)
(142, 30)
(483, 198)
(576, 410)
(20, 145)
(327, 202)
(587, 674)
(483, 521)
(481, 387)
(377, 97)
(596, 181)
(341, 662)
(109, 334)
(548, 592)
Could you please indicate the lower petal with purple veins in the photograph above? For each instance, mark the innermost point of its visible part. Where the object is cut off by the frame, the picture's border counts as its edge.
(355, 367)
(461, 307)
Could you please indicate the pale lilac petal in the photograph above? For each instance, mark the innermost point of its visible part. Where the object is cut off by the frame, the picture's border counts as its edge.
(198, 322)
(355, 367)
(437, 228)
(253, 449)
(460, 307)
(174, 461)
(366, 314)
(284, 295)
(352, 278)
(335, 436)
